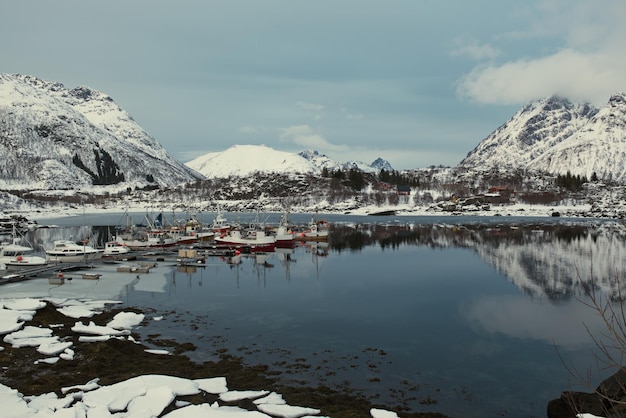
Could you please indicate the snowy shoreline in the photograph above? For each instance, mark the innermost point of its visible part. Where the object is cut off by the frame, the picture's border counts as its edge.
(512, 210)
(141, 396)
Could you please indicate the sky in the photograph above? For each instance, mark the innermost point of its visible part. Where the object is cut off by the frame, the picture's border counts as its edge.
(416, 82)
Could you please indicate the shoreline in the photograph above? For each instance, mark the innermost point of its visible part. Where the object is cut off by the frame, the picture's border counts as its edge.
(515, 210)
(116, 360)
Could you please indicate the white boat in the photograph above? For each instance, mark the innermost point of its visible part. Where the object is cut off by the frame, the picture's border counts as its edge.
(192, 232)
(254, 240)
(15, 256)
(317, 231)
(65, 251)
(220, 225)
(284, 235)
(114, 248)
(146, 239)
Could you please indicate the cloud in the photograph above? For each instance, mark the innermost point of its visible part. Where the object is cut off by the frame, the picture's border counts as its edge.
(305, 136)
(316, 108)
(582, 59)
(473, 50)
(310, 106)
(351, 116)
(570, 73)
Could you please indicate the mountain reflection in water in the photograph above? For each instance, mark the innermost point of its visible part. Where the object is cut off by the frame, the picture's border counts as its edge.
(552, 260)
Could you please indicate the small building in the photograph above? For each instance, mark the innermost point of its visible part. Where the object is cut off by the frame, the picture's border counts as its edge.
(404, 190)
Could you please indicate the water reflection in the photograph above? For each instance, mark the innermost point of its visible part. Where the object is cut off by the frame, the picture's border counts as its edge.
(403, 311)
(555, 261)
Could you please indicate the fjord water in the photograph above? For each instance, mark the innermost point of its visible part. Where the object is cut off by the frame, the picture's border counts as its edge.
(468, 317)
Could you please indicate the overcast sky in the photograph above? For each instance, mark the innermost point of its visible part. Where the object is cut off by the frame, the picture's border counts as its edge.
(416, 82)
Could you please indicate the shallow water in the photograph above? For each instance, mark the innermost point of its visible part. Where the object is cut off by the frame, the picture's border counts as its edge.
(468, 317)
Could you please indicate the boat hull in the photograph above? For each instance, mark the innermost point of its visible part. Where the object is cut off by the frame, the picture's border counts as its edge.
(52, 257)
(251, 245)
(69, 252)
(24, 262)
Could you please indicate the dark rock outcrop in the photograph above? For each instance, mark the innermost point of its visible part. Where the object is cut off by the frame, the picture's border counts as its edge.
(608, 400)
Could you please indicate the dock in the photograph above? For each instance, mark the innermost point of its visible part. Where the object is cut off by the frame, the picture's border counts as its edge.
(49, 269)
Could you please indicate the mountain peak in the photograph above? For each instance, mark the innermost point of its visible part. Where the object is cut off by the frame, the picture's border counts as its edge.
(381, 164)
(52, 137)
(617, 99)
(557, 136)
(243, 160)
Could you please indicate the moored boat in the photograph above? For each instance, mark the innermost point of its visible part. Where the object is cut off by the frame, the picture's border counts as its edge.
(114, 248)
(220, 225)
(316, 231)
(284, 237)
(15, 256)
(192, 232)
(145, 240)
(254, 240)
(66, 251)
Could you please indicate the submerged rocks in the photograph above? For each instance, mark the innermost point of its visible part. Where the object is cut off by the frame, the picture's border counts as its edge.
(609, 399)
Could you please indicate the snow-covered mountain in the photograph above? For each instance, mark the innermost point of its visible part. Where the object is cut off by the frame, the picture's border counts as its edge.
(322, 161)
(557, 136)
(243, 160)
(55, 138)
(598, 147)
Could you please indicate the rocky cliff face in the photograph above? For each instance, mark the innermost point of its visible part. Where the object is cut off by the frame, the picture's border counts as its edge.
(557, 136)
(55, 138)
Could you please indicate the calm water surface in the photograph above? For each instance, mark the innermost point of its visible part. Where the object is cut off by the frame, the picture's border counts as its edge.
(468, 317)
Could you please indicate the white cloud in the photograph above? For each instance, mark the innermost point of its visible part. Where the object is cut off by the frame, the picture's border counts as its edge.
(310, 106)
(474, 50)
(585, 62)
(351, 116)
(573, 74)
(305, 136)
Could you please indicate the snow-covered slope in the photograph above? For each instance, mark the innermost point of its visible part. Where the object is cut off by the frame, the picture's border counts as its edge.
(598, 147)
(555, 136)
(529, 134)
(243, 160)
(55, 138)
(323, 162)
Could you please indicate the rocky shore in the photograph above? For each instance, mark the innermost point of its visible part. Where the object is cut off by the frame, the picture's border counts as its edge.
(114, 360)
(608, 400)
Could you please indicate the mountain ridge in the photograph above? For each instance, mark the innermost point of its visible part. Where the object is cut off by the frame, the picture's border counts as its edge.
(52, 137)
(243, 160)
(557, 136)
(56, 138)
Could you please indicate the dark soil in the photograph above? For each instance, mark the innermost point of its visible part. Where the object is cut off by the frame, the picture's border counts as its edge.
(116, 360)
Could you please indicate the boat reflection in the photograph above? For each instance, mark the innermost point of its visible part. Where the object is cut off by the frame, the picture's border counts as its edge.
(553, 260)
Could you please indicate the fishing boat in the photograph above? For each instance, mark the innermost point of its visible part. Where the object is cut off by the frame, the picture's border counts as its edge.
(220, 225)
(255, 240)
(114, 248)
(284, 237)
(145, 238)
(15, 256)
(192, 232)
(66, 251)
(316, 231)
